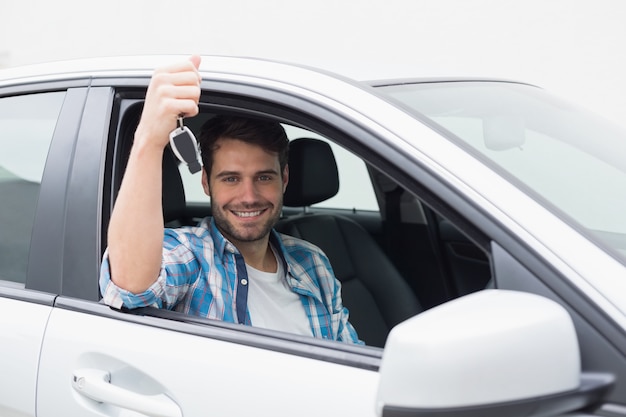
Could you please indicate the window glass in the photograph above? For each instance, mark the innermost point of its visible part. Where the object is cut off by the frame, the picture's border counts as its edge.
(565, 157)
(27, 124)
(355, 188)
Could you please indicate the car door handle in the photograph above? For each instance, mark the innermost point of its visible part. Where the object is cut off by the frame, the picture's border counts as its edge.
(96, 385)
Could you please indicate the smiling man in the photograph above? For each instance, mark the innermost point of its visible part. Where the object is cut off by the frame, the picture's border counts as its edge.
(233, 266)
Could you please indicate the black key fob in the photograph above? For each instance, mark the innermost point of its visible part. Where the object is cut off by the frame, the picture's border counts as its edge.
(185, 147)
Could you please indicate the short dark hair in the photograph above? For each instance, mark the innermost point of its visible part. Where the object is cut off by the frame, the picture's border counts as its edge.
(267, 134)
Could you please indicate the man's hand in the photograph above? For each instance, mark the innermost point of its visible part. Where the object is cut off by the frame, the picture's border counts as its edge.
(136, 226)
(173, 91)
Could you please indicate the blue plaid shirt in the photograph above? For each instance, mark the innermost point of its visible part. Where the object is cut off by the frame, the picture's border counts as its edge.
(204, 274)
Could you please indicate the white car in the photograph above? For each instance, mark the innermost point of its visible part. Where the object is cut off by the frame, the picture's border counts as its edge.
(478, 230)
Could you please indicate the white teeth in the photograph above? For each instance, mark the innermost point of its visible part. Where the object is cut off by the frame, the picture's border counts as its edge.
(247, 213)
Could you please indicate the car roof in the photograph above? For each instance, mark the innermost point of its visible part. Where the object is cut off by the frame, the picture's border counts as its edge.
(143, 66)
(76, 67)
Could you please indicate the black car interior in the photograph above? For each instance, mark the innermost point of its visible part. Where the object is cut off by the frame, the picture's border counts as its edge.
(372, 288)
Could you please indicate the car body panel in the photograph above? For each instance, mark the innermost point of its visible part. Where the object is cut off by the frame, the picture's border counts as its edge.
(206, 376)
(222, 369)
(22, 328)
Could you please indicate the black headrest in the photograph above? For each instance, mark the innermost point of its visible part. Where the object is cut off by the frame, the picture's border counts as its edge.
(313, 175)
(173, 191)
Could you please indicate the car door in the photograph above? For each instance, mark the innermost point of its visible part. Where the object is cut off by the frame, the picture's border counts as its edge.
(99, 361)
(107, 363)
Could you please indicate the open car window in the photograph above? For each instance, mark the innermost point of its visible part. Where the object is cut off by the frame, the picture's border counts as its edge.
(416, 251)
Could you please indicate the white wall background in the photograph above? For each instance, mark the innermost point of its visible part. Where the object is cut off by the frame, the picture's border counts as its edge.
(574, 48)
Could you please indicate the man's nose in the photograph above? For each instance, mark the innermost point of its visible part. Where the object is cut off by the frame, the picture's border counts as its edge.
(249, 190)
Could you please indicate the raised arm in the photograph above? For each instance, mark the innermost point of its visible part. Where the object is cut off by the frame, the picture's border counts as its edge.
(135, 235)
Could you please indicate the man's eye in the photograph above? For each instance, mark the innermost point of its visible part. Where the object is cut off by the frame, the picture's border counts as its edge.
(230, 179)
(265, 178)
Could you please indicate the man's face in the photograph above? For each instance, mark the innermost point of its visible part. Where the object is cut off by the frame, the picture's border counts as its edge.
(246, 189)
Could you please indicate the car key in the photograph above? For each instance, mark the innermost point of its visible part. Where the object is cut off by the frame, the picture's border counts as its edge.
(185, 147)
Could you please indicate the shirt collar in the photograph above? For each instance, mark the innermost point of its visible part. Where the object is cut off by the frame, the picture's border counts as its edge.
(220, 243)
(297, 277)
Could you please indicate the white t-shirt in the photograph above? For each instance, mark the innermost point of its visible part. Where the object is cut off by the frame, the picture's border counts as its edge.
(273, 305)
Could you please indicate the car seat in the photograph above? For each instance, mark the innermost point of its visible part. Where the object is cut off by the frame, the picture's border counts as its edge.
(173, 192)
(373, 290)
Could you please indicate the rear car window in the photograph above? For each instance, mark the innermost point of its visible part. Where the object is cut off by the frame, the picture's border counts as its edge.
(27, 125)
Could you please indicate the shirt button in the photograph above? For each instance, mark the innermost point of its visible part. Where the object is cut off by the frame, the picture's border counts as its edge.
(244, 281)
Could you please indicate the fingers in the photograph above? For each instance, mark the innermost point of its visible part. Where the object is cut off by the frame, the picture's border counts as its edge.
(195, 60)
(183, 74)
(174, 90)
(179, 92)
(178, 100)
(189, 67)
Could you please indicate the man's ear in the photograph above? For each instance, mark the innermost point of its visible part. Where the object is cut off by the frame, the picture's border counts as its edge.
(205, 183)
(285, 178)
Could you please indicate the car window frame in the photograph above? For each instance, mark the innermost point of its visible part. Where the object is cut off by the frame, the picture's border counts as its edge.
(224, 100)
(72, 220)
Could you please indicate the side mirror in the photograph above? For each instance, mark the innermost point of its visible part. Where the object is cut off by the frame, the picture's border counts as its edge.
(491, 353)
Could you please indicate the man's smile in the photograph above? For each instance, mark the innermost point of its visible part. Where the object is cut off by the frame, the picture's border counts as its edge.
(247, 213)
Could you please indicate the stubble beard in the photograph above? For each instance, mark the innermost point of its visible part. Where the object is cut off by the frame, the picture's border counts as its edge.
(250, 233)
